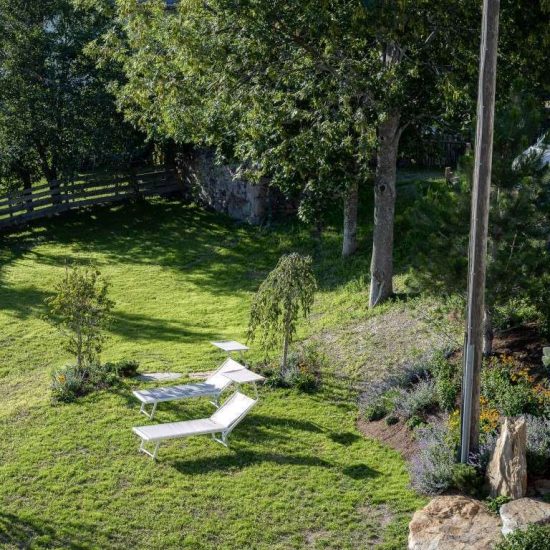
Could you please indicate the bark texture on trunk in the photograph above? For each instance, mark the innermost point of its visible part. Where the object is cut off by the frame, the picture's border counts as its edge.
(351, 199)
(384, 210)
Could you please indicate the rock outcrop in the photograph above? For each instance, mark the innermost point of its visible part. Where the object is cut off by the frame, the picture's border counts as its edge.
(454, 523)
(519, 514)
(507, 470)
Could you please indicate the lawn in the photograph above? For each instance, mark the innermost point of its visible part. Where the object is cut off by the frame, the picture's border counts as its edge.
(298, 473)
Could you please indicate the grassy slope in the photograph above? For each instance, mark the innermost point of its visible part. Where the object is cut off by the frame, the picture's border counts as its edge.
(298, 473)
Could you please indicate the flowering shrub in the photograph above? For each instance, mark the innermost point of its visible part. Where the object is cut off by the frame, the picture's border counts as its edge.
(509, 387)
(303, 371)
(417, 400)
(68, 383)
(72, 381)
(535, 537)
(538, 444)
(432, 467)
(379, 398)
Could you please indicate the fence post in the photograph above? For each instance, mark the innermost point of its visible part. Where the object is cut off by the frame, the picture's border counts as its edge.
(134, 180)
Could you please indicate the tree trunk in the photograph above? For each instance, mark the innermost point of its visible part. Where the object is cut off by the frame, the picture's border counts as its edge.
(285, 353)
(389, 133)
(488, 333)
(351, 199)
(26, 178)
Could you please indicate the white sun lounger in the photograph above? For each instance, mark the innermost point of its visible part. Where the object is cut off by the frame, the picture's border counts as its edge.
(211, 387)
(223, 421)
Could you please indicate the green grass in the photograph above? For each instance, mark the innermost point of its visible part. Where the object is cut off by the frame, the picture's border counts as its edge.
(298, 473)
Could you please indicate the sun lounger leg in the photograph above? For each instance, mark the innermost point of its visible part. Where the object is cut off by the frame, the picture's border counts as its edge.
(150, 415)
(153, 454)
(216, 403)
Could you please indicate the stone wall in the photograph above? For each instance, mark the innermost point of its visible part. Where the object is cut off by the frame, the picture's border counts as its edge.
(216, 186)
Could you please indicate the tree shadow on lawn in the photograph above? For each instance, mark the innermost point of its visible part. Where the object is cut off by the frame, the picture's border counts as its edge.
(134, 326)
(27, 533)
(223, 256)
(23, 302)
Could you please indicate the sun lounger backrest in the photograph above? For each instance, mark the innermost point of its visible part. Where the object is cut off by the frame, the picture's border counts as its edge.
(233, 410)
(218, 379)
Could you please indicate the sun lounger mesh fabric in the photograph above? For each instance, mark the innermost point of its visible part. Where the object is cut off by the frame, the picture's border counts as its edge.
(232, 410)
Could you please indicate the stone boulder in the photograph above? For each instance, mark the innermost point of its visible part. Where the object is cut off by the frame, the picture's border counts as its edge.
(454, 523)
(507, 470)
(519, 514)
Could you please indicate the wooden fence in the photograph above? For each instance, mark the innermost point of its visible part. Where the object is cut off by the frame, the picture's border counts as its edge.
(52, 198)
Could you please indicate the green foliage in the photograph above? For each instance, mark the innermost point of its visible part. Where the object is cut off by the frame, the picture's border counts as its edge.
(73, 381)
(286, 292)
(535, 537)
(494, 504)
(467, 479)
(416, 401)
(538, 445)
(508, 386)
(303, 371)
(56, 112)
(376, 411)
(68, 383)
(391, 420)
(447, 381)
(124, 367)
(296, 91)
(81, 308)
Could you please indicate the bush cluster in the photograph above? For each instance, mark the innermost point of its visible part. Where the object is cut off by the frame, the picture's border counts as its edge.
(433, 466)
(71, 381)
(510, 388)
(535, 537)
(538, 445)
(303, 371)
(416, 390)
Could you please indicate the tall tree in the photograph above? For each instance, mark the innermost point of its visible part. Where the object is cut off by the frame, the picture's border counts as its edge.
(305, 93)
(55, 111)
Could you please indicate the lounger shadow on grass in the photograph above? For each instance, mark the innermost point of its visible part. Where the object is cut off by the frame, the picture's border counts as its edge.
(243, 459)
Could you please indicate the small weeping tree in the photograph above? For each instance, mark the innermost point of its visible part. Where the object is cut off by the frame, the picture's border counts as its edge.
(287, 292)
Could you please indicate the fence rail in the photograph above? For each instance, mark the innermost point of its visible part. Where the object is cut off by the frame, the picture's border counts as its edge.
(53, 198)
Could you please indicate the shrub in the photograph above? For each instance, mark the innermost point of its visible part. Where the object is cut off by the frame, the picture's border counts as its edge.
(417, 400)
(391, 420)
(415, 421)
(378, 395)
(494, 504)
(374, 412)
(447, 381)
(68, 383)
(535, 537)
(538, 444)
(432, 467)
(467, 479)
(124, 368)
(81, 308)
(303, 371)
(73, 381)
(515, 312)
(507, 385)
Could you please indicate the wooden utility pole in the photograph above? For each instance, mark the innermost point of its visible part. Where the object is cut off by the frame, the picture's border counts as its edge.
(477, 258)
